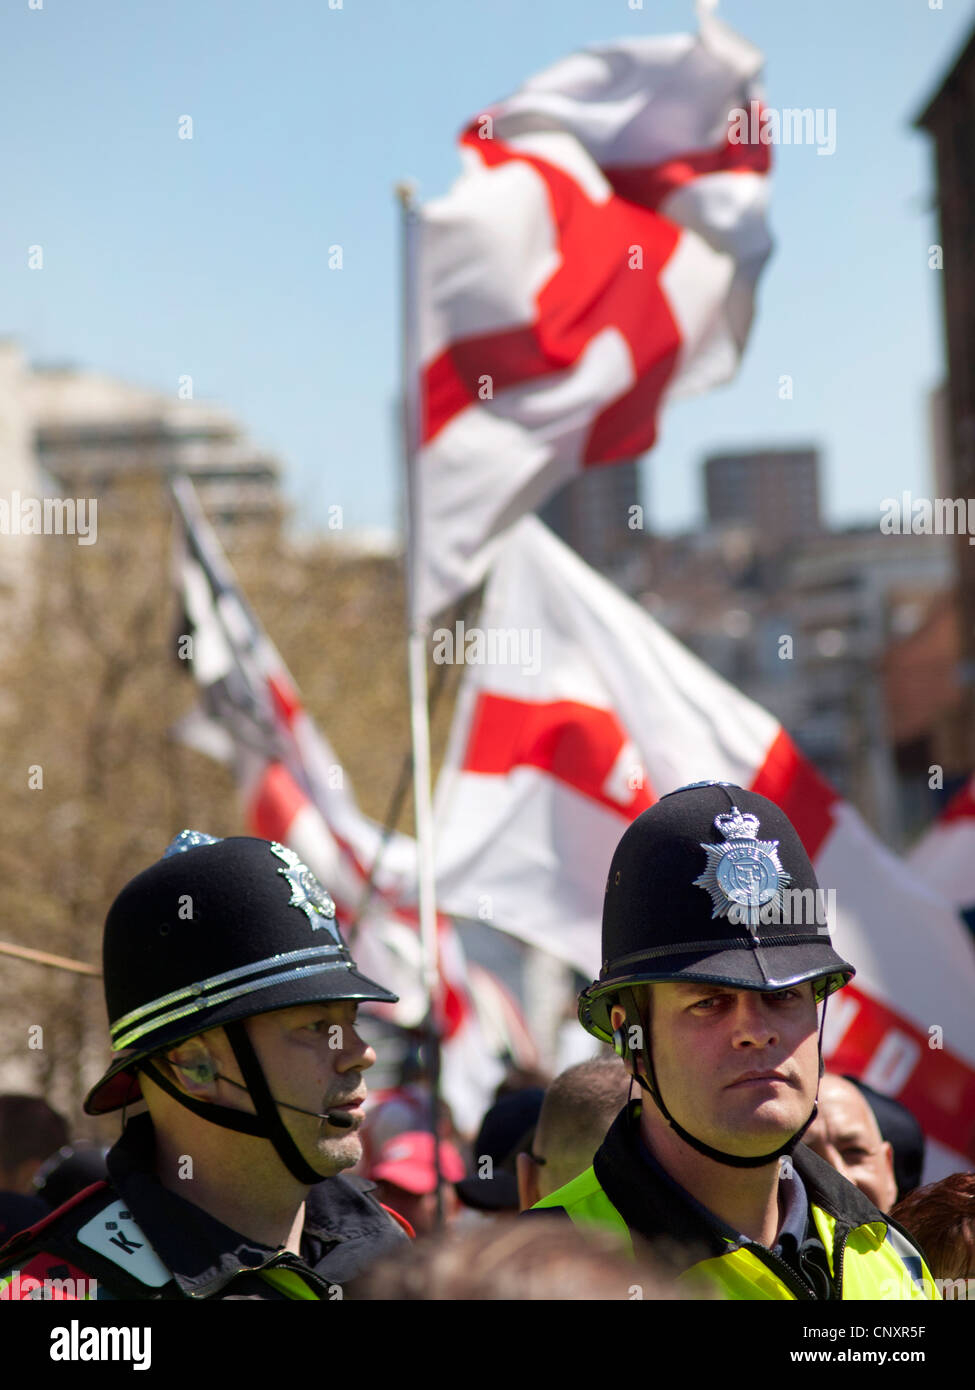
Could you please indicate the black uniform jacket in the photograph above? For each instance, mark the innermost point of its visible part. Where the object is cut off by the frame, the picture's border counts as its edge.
(17, 1212)
(138, 1240)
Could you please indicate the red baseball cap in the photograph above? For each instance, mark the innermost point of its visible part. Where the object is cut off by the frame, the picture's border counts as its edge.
(406, 1161)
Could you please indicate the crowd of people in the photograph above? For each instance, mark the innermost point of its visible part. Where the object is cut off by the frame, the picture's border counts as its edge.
(536, 1139)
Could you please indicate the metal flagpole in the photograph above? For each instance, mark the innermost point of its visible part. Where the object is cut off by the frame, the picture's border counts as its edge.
(417, 629)
(404, 783)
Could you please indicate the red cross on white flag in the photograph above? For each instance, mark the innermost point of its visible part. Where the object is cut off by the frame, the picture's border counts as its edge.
(597, 257)
(549, 761)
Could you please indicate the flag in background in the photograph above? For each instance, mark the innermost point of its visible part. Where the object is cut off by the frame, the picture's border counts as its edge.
(551, 757)
(294, 791)
(944, 857)
(597, 257)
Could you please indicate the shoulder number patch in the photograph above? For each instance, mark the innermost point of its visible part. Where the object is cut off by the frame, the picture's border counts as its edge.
(114, 1234)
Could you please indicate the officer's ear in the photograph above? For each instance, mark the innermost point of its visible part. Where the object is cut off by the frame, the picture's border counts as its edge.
(192, 1067)
(617, 1020)
(628, 1039)
(527, 1175)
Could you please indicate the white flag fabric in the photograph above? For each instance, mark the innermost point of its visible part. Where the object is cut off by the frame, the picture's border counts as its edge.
(597, 257)
(577, 711)
(944, 857)
(295, 791)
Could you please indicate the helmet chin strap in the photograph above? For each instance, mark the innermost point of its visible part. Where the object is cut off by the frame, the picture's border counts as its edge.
(266, 1124)
(652, 1088)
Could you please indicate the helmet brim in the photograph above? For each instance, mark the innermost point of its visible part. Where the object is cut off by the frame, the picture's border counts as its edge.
(119, 1086)
(762, 968)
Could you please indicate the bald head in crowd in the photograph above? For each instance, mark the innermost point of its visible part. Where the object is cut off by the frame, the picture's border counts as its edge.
(847, 1135)
(578, 1109)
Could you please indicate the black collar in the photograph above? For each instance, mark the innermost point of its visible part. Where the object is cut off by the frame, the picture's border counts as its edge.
(830, 1191)
(651, 1206)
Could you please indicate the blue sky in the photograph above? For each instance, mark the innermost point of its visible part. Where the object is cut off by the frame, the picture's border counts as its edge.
(209, 256)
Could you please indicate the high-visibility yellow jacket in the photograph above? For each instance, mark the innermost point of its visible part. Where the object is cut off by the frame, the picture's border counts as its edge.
(869, 1256)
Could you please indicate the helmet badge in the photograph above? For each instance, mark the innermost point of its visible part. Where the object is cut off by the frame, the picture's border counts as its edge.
(743, 874)
(307, 893)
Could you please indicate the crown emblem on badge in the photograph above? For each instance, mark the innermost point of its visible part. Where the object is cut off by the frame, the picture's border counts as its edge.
(734, 823)
(743, 874)
(306, 891)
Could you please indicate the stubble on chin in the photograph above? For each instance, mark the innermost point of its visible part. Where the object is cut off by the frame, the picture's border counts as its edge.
(771, 1124)
(334, 1155)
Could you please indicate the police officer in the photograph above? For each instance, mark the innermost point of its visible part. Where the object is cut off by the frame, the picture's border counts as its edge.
(232, 1003)
(715, 956)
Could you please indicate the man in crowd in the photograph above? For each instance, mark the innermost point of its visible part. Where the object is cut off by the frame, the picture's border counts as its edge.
(405, 1175)
(709, 991)
(507, 1130)
(579, 1107)
(845, 1132)
(898, 1127)
(232, 1002)
(30, 1132)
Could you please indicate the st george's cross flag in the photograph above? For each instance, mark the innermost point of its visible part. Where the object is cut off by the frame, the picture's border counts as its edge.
(575, 713)
(597, 257)
(295, 791)
(944, 856)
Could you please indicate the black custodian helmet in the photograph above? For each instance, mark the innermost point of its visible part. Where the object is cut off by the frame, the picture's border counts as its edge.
(711, 884)
(213, 933)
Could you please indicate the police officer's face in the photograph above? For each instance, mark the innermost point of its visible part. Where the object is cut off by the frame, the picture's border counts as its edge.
(314, 1058)
(736, 1068)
